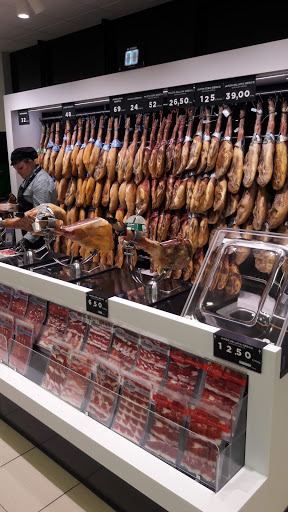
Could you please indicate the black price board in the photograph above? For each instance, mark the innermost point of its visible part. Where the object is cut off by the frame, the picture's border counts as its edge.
(117, 105)
(135, 103)
(181, 96)
(98, 305)
(23, 117)
(209, 93)
(68, 111)
(240, 89)
(243, 351)
(153, 100)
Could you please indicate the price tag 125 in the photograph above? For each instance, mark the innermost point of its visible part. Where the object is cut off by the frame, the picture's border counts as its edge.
(181, 97)
(209, 93)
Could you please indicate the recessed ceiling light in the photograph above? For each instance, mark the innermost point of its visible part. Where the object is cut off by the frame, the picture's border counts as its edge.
(22, 9)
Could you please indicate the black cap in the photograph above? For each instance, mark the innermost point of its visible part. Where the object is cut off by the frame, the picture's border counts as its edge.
(20, 154)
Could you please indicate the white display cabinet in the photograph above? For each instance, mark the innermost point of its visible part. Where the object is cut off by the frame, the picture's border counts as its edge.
(261, 483)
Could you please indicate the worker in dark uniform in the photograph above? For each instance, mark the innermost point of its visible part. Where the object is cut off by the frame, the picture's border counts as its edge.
(37, 188)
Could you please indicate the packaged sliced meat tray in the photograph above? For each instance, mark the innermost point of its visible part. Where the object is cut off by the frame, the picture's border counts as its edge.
(98, 337)
(36, 312)
(76, 328)
(54, 327)
(105, 391)
(3, 349)
(133, 407)
(19, 303)
(5, 297)
(78, 381)
(57, 368)
(22, 345)
(152, 358)
(7, 330)
(124, 347)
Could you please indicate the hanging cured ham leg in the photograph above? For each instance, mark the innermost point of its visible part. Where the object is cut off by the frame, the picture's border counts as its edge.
(131, 151)
(177, 153)
(150, 148)
(122, 153)
(226, 148)
(252, 157)
(94, 233)
(152, 165)
(101, 167)
(186, 144)
(280, 158)
(139, 157)
(215, 142)
(236, 170)
(265, 167)
(95, 154)
(196, 145)
(202, 162)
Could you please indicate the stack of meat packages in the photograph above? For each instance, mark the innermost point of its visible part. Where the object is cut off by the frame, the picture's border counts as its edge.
(186, 173)
(21, 317)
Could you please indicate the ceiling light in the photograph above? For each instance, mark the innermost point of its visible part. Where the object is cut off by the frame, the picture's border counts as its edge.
(22, 9)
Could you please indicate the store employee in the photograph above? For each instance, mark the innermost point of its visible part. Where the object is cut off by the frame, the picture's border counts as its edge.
(37, 188)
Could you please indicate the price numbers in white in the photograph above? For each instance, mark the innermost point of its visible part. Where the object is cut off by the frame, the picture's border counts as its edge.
(207, 98)
(23, 117)
(117, 105)
(152, 104)
(236, 351)
(153, 100)
(117, 109)
(178, 102)
(180, 96)
(68, 111)
(134, 107)
(245, 355)
(240, 89)
(235, 96)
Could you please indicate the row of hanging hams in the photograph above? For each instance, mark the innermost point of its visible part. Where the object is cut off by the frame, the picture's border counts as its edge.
(181, 182)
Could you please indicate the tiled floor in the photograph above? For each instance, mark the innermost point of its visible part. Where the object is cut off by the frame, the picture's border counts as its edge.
(30, 481)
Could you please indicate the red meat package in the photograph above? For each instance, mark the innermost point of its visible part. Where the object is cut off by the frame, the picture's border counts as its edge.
(98, 338)
(19, 303)
(3, 349)
(222, 391)
(75, 330)
(124, 347)
(104, 393)
(184, 375)
(77, 380)
(5, 297)
(163, 439)
(55, 326)
(22, 346)
(199, 458)
(36, 312)
(6, 330)
(152, 358)
(57, 369)
(133, 408)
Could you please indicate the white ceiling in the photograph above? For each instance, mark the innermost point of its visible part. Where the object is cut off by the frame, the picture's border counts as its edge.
(59, 18)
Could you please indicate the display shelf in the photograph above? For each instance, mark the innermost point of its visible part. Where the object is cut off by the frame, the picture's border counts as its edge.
(259, 485)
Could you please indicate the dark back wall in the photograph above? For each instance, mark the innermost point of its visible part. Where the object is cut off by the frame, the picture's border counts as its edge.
(169, 32)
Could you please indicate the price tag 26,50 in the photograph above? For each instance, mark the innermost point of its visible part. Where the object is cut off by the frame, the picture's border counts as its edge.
(180, 97)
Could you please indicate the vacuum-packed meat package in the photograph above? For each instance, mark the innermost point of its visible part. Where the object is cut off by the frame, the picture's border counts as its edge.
(199, 458)
(222, 391)
(19, 303)
(7, 330)
(98, 337)
(163, 439)
(36, 310)
(77, 382)
(54, 327)
(152, 358)
(124, 347)
(57, 368)
(133, 408)
(184, 375)
(5, 297)
(76, 328)
(104, 394)
(21, 350)
(3, 348)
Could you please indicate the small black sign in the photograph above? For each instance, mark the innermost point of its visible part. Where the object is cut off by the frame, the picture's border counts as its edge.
(243, 351)
(135, 103)
(68, 111)
(117, 105)
(153, 100)
(23, 116)
(239, 89)
(209, 93)
(181, 96)
(97, 305)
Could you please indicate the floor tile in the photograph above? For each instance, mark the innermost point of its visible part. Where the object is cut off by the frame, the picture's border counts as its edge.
(39, 481)
(79, 499)
(12, 444)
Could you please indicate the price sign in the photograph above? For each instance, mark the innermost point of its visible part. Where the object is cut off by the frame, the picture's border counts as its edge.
(68, 111)
(209, 93)
(98, 305)
(135, 103)
(153, 100)
(243, 351)
(181, 96)
(239, 89)
(117, 105)
(23, 117)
